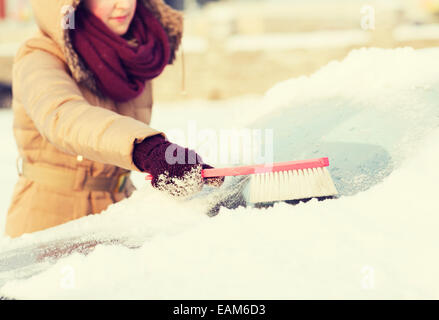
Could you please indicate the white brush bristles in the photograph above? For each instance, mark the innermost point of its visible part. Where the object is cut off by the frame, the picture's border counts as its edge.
(291, 185)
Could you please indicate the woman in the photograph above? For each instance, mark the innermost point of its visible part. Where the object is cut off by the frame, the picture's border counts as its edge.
(82, 99)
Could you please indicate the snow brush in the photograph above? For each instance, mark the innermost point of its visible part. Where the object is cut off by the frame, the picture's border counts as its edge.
(293, 180)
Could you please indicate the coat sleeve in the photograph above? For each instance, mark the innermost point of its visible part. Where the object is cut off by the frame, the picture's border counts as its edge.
(61, 114)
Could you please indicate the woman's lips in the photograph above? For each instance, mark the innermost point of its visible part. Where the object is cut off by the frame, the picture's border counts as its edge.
(120, 19)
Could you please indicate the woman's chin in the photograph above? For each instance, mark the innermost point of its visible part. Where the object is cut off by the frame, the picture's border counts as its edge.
(119, 30)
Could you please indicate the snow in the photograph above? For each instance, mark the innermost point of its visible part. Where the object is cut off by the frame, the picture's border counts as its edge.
(374, 114)
(416, 32)
(367, 114)
(298, 40)
(9, 49)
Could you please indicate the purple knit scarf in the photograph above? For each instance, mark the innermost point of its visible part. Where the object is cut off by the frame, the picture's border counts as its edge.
(121, 69)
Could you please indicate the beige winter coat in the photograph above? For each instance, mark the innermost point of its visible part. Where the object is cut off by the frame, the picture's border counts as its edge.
(62, 121)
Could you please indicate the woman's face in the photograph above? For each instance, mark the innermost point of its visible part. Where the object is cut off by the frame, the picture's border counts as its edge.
(116, 14)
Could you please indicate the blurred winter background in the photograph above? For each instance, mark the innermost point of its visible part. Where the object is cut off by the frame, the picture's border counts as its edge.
(234, 52)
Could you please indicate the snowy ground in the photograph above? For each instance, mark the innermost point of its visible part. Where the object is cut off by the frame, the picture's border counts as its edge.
(375, 115)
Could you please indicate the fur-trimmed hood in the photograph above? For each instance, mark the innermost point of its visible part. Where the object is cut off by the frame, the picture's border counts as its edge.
(50, 16)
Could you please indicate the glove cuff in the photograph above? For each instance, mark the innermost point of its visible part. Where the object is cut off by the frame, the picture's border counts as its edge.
(143, 151)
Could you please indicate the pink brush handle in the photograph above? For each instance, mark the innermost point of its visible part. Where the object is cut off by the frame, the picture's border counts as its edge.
(262, 168)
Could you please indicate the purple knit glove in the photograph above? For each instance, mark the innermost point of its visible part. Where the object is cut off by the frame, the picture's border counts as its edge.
(175, 170)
